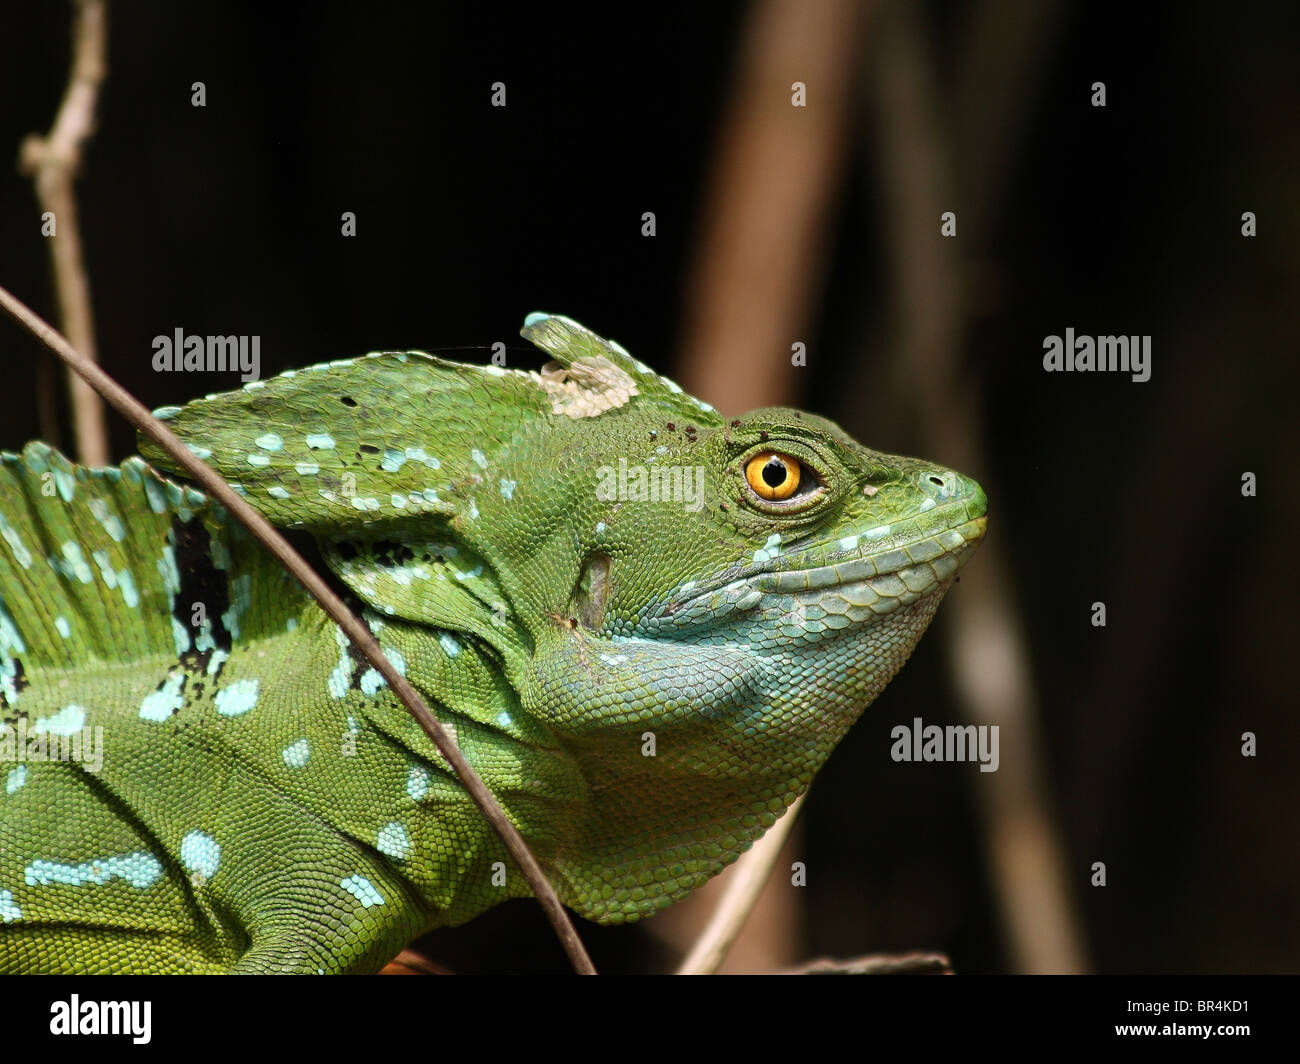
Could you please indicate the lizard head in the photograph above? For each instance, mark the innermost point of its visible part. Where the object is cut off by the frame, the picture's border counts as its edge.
(685, 613)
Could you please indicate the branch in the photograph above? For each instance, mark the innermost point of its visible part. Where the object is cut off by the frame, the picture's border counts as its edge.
(916, 963)
(207, 478)
(750, 876)
(988, 650)
(53, 162)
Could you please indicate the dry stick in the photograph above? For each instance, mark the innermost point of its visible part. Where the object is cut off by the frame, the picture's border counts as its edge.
(919, 962)
(752, 873)
(756, 269)
(52, 162)
(988, 651)
(122, 401)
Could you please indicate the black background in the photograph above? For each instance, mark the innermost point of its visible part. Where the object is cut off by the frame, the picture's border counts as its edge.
(225, 219)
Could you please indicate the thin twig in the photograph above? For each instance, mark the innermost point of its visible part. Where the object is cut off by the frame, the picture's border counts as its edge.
(750, 876)
(207, 478)
(988, 650)
(759, 258)
(53, 162)
(916, 963)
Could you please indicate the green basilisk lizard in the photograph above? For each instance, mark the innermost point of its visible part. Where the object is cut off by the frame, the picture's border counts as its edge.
(646, 625)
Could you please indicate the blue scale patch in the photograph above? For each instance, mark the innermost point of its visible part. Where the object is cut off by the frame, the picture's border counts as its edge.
(9, 911)
(394, 841)
(363, 890)
(16, 778)
(67, 721)
(20, 552)
(238, 698)
(296, 754)
(200, 854)
(141, 870)
(417, 783)
(161, 704)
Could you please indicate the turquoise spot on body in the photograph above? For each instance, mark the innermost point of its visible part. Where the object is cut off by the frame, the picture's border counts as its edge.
(108, 520)
(21, 554)
(9, 910)
(154, 494)
(180, 636)
(341, 675)
(67, 721)
(393, 841)
(161, 704)
(416, 454)
(16, 778)
(296, 754)
(200, 854)
(241, 597)
(140, 870)
(320, 441)
(417, 783)
(269, 442)
(65, 483)
(238, 698)
(73, 564)
(771, 549)
(363, 890)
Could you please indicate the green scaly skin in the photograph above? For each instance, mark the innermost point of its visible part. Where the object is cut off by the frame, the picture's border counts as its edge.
(644, 684)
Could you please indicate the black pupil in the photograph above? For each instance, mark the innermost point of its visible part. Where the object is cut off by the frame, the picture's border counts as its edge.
(774, 473)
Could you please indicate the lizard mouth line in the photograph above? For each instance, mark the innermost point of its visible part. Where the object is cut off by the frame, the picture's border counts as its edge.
(892, 577)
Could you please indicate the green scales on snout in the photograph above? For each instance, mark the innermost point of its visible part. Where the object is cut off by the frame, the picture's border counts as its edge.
(564, 563)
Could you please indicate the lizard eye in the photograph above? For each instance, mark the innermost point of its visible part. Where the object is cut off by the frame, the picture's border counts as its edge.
(773, 476)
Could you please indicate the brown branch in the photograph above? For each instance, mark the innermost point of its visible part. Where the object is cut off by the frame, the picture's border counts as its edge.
(989, 653)
(750, 875)
(53, 162)
(207, 478)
